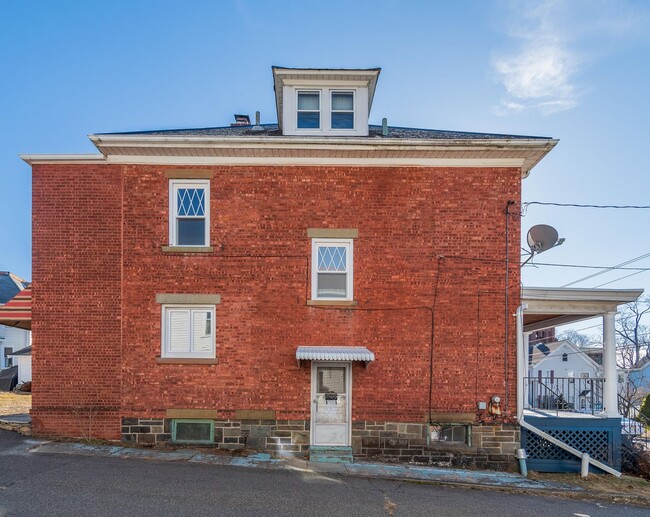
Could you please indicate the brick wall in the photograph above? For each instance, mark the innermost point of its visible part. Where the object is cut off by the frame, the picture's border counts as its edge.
(76, 331)
(407, 219)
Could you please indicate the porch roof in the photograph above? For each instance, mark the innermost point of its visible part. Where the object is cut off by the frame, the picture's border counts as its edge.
(553, 306)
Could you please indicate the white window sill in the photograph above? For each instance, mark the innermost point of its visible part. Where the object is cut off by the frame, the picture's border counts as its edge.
(187, 249)
(186, 360)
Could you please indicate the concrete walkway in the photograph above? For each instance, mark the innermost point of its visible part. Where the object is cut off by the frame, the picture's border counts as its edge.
(264, 461)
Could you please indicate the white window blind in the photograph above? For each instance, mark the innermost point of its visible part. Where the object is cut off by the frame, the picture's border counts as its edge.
(189, 332)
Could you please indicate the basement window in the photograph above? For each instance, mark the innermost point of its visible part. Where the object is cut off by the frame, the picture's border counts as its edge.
(450, 433)
(193, 431)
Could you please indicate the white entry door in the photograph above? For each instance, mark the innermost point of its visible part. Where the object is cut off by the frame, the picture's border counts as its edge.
(330, 408)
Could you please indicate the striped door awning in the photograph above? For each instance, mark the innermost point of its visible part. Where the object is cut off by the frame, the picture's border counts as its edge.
(334, 353)
(17, 312)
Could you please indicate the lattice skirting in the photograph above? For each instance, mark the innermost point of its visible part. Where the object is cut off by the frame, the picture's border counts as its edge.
(600, 438)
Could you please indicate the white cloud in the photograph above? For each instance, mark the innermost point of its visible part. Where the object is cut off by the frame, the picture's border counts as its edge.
(556, 40)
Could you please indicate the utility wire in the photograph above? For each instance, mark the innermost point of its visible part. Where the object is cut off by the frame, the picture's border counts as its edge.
(607, 270)
(621, 278)
(584, 266)
(577, 205)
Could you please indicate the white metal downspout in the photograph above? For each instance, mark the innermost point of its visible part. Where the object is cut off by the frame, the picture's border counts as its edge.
(522, 360)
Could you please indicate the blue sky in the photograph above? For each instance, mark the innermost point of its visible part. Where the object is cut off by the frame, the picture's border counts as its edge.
(576, 70)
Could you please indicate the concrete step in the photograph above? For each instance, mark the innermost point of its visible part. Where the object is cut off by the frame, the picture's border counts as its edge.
(330, 454)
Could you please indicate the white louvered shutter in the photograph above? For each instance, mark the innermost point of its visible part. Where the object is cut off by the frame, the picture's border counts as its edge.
(179, 331)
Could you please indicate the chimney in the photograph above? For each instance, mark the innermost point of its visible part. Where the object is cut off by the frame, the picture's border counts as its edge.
(241, 120)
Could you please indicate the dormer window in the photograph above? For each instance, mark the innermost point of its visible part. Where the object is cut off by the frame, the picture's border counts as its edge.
(326, 111)
(324, 102)
(342, 110)
(308, 110)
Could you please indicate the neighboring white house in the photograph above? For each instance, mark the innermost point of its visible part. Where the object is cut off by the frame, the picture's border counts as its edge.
(23, 359)
(562, 376)
(12, 340)
(636, 382)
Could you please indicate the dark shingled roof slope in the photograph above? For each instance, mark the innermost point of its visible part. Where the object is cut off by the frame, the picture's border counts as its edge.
(10, 286)
(23, 351)
(267, 130)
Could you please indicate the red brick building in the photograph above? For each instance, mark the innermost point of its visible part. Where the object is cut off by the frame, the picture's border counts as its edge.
(211, 266)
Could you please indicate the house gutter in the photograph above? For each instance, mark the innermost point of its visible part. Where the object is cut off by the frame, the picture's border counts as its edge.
(521, 370)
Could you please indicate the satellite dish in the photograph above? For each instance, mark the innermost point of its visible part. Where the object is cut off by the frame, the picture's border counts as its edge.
(542, 237)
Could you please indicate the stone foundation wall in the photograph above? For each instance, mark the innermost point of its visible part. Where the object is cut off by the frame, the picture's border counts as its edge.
(489, 446)
(278, 437)
(146, 431)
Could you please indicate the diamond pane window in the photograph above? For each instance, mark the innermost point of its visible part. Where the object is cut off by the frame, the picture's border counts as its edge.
(332, 258)
(189, 213)
(332, 271)
(190, 202)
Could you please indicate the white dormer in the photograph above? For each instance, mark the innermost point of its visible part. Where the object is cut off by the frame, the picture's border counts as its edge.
(324, 102)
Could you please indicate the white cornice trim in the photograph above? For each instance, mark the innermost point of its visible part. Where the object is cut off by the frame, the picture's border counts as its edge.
(277, 161)
(315, 161)
(327, 71)
(619, 296)
(62, 158)
(400, 144)
(308, 151)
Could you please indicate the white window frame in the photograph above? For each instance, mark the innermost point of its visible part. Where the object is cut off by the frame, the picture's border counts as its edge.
(166, 331)
(349, 244)
(353, 111)
(326, 88)
(320, 110)
(174, 185)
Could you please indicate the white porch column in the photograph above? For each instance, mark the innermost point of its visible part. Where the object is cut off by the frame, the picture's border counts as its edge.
(610, 392)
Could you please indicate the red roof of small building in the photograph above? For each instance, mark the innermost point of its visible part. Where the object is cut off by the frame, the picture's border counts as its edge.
(17, 312)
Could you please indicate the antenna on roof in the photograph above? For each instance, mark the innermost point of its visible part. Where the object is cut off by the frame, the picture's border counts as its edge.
(541, 238)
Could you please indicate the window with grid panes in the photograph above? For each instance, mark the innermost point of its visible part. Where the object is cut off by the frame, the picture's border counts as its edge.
(332, 269)
(189, 213)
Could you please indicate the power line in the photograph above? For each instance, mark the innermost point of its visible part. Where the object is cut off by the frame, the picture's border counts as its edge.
(577, 205)
(584, 266)
(623, 277)
(606, 270)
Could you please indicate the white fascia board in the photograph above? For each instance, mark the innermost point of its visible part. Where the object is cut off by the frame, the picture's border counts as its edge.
(619, 296)
(533, 150)
(326, 71)
(314, 161)
(329, 141)
(399, 144)
(62, 158)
